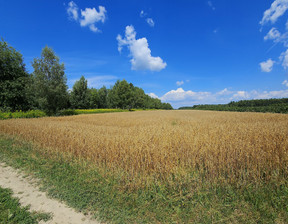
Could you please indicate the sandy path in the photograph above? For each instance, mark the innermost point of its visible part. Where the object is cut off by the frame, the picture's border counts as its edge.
(27, 191)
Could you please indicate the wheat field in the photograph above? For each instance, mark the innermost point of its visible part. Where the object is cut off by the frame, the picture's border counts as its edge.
(228, 146)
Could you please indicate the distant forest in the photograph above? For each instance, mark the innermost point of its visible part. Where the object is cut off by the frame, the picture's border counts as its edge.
(262, 105)
(46, 88)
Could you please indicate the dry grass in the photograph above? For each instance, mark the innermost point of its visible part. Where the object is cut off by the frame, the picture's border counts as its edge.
(228, 146)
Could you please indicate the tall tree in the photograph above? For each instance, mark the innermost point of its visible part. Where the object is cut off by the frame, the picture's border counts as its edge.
(50, 82)
(102, 94)
(80, 95)
(93, 98)
(120, 96)
(14, 79)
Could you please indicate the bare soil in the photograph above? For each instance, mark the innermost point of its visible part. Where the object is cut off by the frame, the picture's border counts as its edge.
(27, 190)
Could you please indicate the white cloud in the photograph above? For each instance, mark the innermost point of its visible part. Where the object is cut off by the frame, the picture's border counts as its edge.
(150, 22)
(277, 37)
(181, 97)
(89, 16)
(285, 83)
(140, 52)
(277, 9)
(284, 58)
(224, 92)
(142, 14)
(179, 83)
(72, 10)
(96, 81)
(273, 34)
(211, 5)
(240, 95)
(266, 66)
(92, 16)
(153, 95)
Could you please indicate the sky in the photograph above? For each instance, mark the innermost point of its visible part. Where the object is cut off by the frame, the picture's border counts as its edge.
(184, 52)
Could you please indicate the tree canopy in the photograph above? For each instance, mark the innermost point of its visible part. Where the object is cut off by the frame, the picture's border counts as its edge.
(46, 87)
(14, 79)
(50, 82)
(79, 97)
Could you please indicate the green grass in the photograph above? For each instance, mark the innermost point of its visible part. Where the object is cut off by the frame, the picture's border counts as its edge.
(97, 111)
(12, 212)
(21, 114)
(67, 112)
(192, 200)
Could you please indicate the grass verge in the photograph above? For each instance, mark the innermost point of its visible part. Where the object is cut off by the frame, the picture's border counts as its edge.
(12, 212)
(193, 200)
(22, 114)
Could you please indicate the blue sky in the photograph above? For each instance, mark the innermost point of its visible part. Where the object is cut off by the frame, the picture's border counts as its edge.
(184, 52)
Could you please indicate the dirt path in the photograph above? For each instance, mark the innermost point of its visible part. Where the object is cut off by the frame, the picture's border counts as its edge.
(27, 191)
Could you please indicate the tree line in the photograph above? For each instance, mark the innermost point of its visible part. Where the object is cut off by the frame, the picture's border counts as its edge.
(46, 88)
(260, 105)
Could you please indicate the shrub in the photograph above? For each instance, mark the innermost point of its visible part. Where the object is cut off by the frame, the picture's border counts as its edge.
(68, 112)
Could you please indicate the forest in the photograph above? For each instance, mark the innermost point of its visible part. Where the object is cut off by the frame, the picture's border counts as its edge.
(46, 87)
(259, 105)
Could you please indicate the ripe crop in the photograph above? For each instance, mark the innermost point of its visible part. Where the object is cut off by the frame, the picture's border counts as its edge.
(225, 146)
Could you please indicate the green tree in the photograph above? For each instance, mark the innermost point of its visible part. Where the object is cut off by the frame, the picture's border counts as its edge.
(14, 80)
(80, 95)
(139, 97)
(50, 82)
(103, 94)
(93, 98)
(121, 95)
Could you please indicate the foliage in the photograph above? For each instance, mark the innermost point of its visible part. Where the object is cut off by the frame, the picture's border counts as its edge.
(125, 95)
(103, 94)
(50, 82)
(98, 111)
(46, 88)
(67, 112)
(262, 105)
(79, 98)
(14, 80)
(11, 211)
(22, 114)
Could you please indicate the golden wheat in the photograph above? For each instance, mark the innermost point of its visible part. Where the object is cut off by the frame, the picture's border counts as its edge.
(228, 145)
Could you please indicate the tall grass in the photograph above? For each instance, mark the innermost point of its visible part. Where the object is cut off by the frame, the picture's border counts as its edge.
(228, 147)
(161, 166)
(22, 114)
(98, 111)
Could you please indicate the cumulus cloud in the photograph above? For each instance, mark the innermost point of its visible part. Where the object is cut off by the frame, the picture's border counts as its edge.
(266, 66)
(150, 22)
(153, 95)
(140, 51)
(96, 80)
(89, 16)
(179, 83)
(277, 9)
(273, 34)
(285, 83)
(224, 92)
(72, 10)
(271, 15)
(284, 58)
(180, 97)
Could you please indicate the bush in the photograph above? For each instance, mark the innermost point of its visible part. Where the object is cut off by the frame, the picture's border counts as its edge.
(21, 114)
(68, 112)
